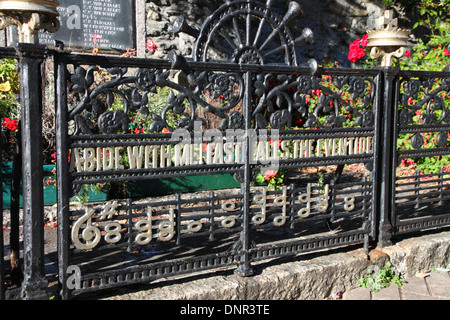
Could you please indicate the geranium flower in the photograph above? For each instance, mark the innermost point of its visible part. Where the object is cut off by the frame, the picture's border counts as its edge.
(446, 52)
(364, 40)
(270, 174)
(151, 46)
(356, 52)
(10, 124)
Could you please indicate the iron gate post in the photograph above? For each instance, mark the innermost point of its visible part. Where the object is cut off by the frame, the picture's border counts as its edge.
(2, 253)
(245, 270)
(34, 284)
(387, 162)
(62, 171)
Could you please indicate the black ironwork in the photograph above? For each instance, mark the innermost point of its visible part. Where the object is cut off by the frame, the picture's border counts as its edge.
(2, 244)
(242, 110)
(422, 118)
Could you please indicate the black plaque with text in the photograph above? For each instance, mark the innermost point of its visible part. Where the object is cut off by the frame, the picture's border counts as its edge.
(112, 21)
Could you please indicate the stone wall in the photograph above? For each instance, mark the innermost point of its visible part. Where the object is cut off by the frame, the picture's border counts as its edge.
(335, 23)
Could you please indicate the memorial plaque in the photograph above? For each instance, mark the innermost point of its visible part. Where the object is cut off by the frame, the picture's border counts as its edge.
(112, 22)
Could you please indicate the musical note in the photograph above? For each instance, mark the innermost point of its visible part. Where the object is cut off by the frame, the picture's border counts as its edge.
(260, 199)
(322, 201)
(145, 229)
(194, 226)
(306, 199)
(167, 228)
(229, 206)
(349, 203)
(91, 234)
(281, 201)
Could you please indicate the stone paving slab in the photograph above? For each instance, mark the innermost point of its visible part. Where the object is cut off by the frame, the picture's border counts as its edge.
(439, 284)
(434, 286)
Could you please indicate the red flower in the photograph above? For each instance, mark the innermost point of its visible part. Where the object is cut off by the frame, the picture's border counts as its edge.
(277, 143)
(356, 52)
(270, 174)
(407, 53)
(364, 41)
(446, 52)
(11, 124)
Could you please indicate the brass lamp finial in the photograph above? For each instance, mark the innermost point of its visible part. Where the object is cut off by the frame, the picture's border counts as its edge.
(387, 40)
(30, 16)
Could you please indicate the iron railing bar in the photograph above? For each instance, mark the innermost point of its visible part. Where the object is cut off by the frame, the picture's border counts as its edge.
(422, 198)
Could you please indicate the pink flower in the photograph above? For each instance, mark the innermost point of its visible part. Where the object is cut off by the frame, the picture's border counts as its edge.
(96, 36)
(151, 46)
(364, 41)
(446, 52)
(407, 53)
(270, 174)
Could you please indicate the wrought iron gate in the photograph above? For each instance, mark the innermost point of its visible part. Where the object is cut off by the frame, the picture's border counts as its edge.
(421, 136)
(253, 103)
(233, 109)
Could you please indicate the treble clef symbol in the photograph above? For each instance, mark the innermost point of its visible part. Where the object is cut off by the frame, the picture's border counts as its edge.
(91, 235)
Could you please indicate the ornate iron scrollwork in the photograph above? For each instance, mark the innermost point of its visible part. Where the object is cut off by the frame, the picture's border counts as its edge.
(424, 97)
(130, 95)
(330, 103)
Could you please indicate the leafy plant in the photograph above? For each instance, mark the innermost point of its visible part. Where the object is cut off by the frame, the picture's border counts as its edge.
(376, 278)
(9, 89)
(274, 179)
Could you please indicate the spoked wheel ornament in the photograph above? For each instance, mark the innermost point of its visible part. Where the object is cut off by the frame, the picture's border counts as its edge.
(247, 32)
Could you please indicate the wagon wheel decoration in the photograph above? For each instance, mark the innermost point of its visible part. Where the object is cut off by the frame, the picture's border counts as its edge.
(248, 32)
(244, 31)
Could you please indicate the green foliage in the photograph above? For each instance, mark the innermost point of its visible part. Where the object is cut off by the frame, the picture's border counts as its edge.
(274, 179)
(431, 52)
(9, 88)
(156, 105)
(376, 280)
